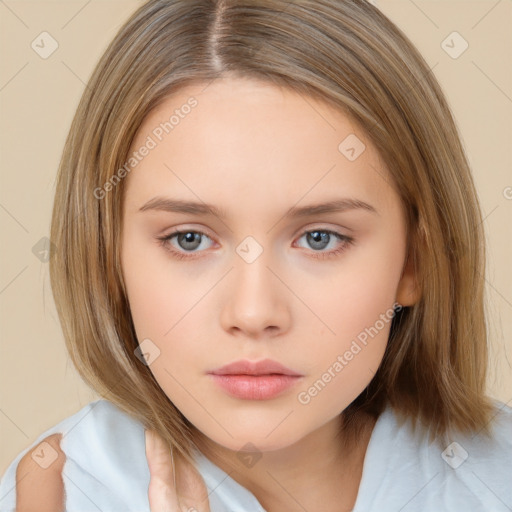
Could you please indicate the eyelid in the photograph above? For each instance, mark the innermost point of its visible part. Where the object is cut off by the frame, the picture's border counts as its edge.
(343, 239)
(185, 229)
(322, 226)
(303, 230)
(201, 231)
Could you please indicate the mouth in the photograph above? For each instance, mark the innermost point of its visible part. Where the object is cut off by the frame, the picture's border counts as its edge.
(255, 380)
(263, 367)
(255, 387)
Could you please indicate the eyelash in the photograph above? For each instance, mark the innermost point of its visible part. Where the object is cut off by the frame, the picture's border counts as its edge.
(347, 241)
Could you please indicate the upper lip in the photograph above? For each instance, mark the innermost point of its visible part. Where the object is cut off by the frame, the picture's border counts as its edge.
(246, 367)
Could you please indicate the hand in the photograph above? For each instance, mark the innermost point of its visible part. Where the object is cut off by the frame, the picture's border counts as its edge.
(189, 494)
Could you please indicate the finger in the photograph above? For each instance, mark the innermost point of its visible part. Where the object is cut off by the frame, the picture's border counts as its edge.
(190, 487)
(161, 493)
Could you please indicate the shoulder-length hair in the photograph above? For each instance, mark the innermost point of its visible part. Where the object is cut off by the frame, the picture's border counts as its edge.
(348, 54)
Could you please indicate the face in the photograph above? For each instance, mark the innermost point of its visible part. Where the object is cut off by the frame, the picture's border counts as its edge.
(262, 276)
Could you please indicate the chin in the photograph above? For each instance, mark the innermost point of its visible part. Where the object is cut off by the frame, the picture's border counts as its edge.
(252, 440)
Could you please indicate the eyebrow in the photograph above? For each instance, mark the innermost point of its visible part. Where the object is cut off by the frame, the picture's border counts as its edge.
(166, 204)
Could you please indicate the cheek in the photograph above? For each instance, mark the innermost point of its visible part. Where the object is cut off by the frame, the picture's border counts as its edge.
(356, 311)
(165, 303)
(151, 304)
(342, 365)
(354, 296)
(158, 293)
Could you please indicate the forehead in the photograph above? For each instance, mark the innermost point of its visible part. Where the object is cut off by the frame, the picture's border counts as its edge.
(231, 107)
(240, 137)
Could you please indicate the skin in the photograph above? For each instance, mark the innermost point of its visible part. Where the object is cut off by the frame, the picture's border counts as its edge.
(40, 487)
(255, 151)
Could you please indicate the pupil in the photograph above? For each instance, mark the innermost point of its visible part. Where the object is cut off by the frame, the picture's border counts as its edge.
(318, 237)
(189, 238)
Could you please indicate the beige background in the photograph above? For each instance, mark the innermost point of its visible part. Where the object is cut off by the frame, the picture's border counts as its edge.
(39, 387)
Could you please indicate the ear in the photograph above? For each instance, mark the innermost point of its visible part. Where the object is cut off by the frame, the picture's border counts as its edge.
(408, 291)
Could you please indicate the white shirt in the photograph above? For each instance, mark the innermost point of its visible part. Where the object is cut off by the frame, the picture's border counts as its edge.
(106, 468)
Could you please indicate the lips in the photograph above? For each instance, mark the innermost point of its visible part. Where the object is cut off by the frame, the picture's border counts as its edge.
(246, 367)
(255, 380)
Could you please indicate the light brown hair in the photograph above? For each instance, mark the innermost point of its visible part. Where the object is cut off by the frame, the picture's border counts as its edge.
(348, 54)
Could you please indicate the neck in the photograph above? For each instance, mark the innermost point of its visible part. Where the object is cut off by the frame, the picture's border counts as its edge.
(318, 468)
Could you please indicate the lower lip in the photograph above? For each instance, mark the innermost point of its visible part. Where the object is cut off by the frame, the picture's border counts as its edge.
(255, 387)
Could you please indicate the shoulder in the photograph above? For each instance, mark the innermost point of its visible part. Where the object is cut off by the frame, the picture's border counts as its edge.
(493, 453)
(502, 420)
(464, 471)
(90, 449)
(496, 448)
(476, 454)
(499, 444)
(477, 469)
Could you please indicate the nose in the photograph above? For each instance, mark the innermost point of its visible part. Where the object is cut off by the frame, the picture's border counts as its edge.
(257, 302)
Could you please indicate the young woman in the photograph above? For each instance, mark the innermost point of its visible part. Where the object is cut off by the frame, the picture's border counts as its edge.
(269, 261)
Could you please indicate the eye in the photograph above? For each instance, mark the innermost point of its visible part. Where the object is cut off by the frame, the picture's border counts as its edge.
(318, 239)
(188, 242)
